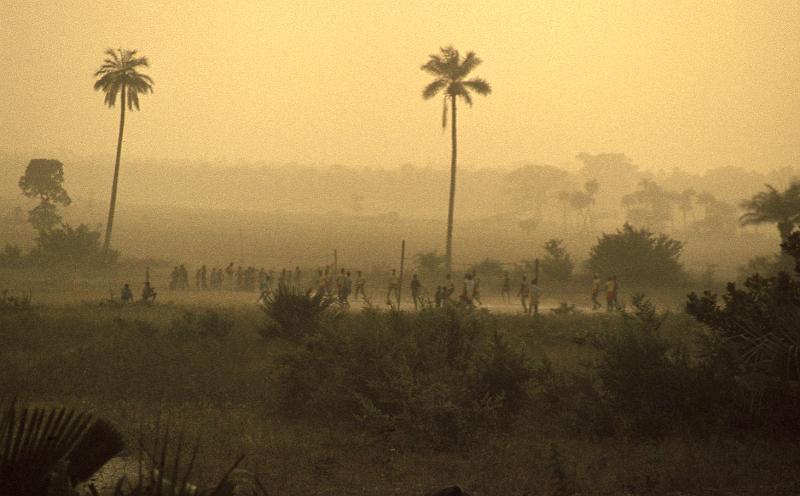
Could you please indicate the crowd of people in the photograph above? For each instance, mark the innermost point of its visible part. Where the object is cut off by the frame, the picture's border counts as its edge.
(341, 285)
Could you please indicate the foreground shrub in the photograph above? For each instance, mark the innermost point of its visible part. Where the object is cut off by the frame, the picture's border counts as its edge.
(294, 315)
(43, 451)
(652, 385)
(436, 377)
(208, 324)
(557, 264)
(759, 337)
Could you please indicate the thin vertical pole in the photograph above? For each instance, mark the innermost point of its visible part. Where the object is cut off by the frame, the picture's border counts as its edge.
(335, 261)
(536, 270)
(402, 266)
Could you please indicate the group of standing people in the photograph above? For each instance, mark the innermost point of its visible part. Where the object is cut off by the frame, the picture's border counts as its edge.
(612, 293)
(342, 285)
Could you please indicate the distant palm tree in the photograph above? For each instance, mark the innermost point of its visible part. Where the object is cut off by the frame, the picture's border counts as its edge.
(119, 76)
(773, 206)
(450, 69)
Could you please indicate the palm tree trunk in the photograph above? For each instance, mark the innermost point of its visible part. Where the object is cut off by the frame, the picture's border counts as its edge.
(451, 205)
(112, 206)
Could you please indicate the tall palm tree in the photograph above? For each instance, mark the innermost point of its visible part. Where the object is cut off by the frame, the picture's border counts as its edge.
(773, 206)
(119, 76)
(450, 69)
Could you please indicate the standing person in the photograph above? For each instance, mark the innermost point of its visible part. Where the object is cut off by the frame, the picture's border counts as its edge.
(468, 292)
(282, 282)
(449, 289)
(344, 290)
(127, 294)
(298, 278)
(197, 279)
(535, 294)
(505, 292)
(439, 296)
(203, 277)
(416, 290)
(596, 292)
(239, 278)
(173, 278)
(184, 282)
(393, 288)
(360, 283)
(476, 292)
(229, 271)
(523, 293)
(611, 294)
(340, 281)
(148, 293)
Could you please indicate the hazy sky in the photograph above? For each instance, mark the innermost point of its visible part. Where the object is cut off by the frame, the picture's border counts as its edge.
(671, 83)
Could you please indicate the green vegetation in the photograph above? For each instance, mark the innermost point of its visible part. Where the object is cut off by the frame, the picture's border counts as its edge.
(371, 400)
(637, 254)
(557, 264)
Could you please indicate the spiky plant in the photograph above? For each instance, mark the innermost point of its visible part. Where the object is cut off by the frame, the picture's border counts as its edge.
(450, 71)
(166, 467)
(119, 75)
(46, 451)
(294, 314)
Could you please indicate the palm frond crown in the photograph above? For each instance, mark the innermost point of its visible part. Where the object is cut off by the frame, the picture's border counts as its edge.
(450, 70)
(120, 72)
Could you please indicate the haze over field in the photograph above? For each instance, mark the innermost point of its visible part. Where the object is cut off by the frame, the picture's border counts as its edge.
(682, 83)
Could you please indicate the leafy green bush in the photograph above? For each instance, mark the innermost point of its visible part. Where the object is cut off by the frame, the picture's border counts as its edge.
(759, 338)
(436, 377)
(557, 264)
(209, 323)
(653, 385)
(70, 246)
(639, 255)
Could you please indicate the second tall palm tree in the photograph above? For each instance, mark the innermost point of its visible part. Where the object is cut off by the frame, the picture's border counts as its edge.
(450, 70)
(119, 76)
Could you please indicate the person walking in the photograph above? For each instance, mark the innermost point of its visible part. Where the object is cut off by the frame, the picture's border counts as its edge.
(523, 293)
(596, 292)
(611, 294)
(393, 288)
(416, 290)
(468, 291)
(505, 292)
(360, 283)
(127, 294)
(535, 295)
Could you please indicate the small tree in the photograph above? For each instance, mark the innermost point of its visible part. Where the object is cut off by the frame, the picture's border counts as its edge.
(637, 254)
(557, 263)
(430, 263)
(70, 246)
(43, 179)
